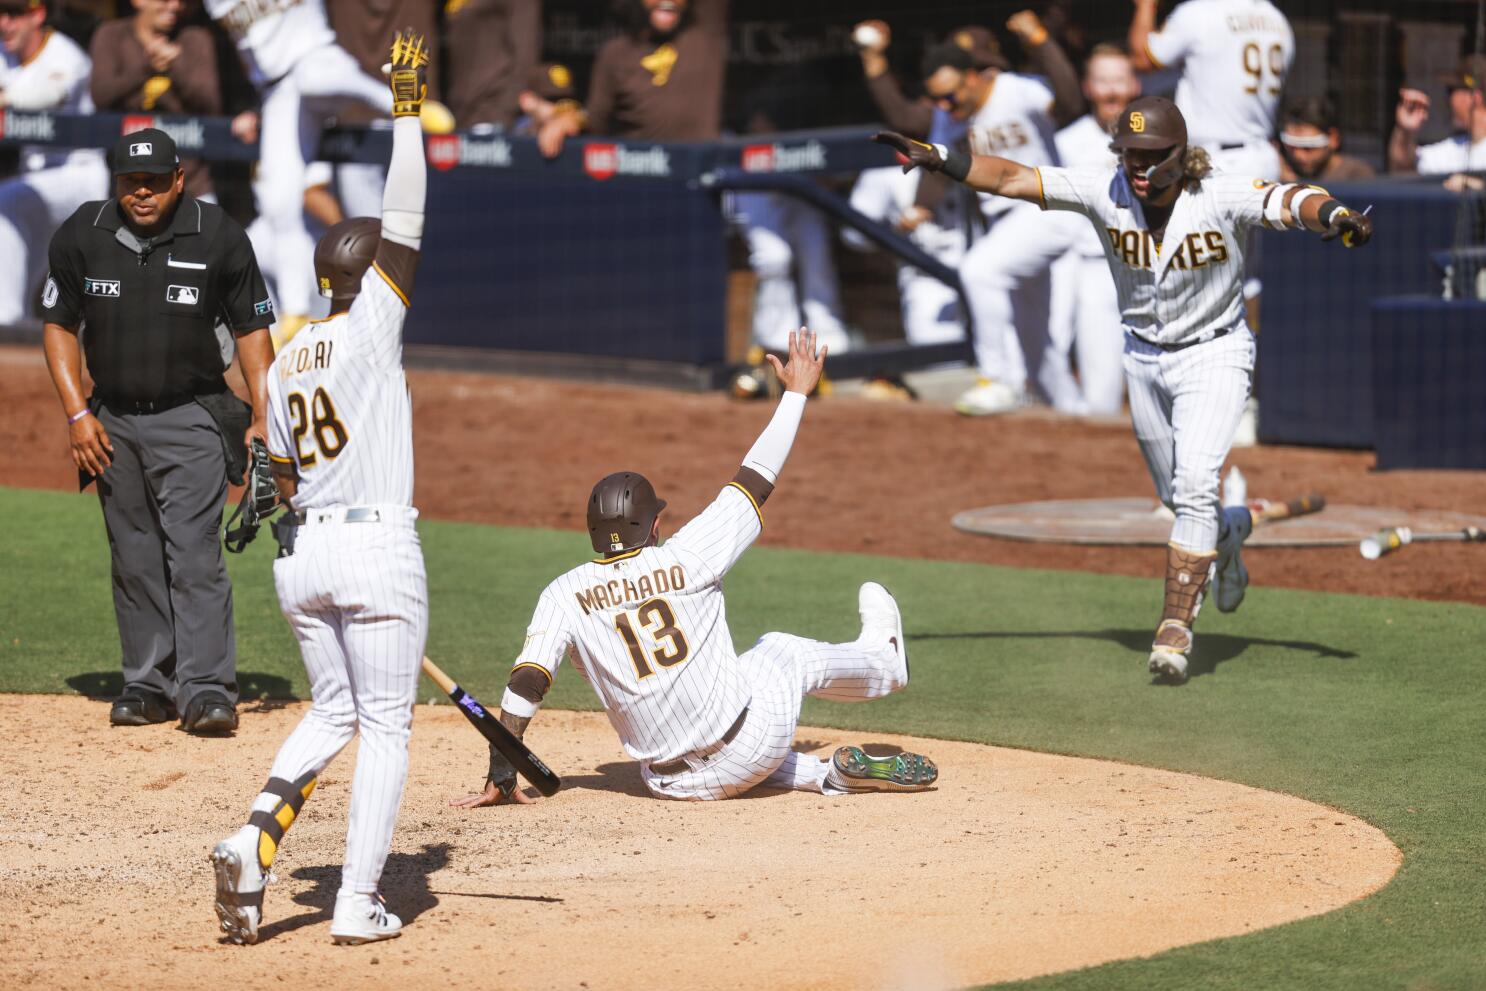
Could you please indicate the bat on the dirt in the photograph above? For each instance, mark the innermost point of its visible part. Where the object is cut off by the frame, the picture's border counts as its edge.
(1389, 540)
(528, 764)
(1265, 511)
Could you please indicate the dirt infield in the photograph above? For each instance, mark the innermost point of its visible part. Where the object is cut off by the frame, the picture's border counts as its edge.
(1019, 864)
(867, 477)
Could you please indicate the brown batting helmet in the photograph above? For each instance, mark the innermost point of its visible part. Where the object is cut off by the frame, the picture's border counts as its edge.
(621, 512)
(344, 254)
(1154, 122)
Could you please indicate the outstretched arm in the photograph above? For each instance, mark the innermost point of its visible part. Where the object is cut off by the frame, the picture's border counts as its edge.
(799, 375)
(1142, 24)
(983, 173)
(404, 198)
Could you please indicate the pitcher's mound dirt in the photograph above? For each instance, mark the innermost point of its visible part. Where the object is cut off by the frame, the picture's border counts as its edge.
(1019, 864)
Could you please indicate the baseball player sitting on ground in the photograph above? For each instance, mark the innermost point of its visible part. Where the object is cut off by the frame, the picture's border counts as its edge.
(1173, 234)
(349, 574)
(646, 625)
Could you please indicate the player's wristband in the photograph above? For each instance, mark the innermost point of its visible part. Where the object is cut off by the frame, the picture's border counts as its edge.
(1327, 211)
(956, 163)
(79, 415)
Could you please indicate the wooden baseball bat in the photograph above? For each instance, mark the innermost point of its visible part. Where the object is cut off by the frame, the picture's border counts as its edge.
(1265, 511)
(1388, 540)
(528, 764)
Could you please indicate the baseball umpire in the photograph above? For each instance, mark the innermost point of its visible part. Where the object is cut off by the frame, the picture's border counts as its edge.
(646, 625)
(150, 274)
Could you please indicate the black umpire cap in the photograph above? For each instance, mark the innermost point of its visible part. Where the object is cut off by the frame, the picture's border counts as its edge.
(149, 150)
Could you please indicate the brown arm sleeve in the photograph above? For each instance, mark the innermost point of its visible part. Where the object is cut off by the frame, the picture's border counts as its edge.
(912, 117)
(1068, 97)
(195, 72)
(754, 484)
(525, 40)
(115, 75)
(399, 263)
(601, 91)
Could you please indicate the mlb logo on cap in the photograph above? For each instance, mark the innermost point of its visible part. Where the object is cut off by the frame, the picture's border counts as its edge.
(141, 148)
(148, 150)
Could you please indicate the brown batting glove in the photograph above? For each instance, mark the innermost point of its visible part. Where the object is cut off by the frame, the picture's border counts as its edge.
(1354, 229)
(924, 156)
(407, 74)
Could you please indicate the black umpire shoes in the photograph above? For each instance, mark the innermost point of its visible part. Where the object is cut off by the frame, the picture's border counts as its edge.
(140, 709)
(209, 714)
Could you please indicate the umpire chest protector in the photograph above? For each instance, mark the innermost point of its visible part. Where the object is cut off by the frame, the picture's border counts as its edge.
(149, 306)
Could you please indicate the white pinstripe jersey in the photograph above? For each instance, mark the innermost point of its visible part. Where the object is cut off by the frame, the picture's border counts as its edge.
(1235, 55)
(1086, 142)
(648, 629)
(1188, 286)
(338, 404)
(1014, 122)
(60, 66)
(273, 35)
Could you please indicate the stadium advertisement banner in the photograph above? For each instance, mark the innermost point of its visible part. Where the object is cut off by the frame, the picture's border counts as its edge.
(188, 133)
(779, 156)
(603, 160)
(446, 151)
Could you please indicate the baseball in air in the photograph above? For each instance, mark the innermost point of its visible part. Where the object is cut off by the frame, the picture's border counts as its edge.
(866, 36)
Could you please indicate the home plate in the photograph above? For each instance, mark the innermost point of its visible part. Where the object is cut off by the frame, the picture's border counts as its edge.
(1144, 521)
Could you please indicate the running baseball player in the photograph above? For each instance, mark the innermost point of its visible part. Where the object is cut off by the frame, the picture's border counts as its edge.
(303, 76)
(1234, 57)
(1173, 233)
(646, 626)
(40, 69)
(350, 572)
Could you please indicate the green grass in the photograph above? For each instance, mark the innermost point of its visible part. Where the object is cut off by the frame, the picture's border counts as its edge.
(1374, 706)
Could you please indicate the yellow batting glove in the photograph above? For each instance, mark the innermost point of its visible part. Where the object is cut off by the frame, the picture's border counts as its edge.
(407, 74)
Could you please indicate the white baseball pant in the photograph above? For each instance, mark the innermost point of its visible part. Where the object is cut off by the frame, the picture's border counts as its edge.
(32, 206)
(1185, 406)
(356, 596)
(931, 309)
(1084, 317)
(785, 668)
(788, 238)
(1005, 274)
(293, 116)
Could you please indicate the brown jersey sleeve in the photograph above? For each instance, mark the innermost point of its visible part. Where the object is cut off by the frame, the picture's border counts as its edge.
(120, 67)
(912, 117)
(600, 103)
(754, 484)
(195, 72)
(399, 263)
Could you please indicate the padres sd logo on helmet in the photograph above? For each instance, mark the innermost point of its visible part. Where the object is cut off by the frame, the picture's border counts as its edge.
(1137, 122)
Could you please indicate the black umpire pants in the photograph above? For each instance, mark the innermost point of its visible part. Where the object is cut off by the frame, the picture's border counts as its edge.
(162, 505)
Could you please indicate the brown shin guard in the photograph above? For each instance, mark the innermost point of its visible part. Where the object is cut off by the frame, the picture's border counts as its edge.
(1186, 579)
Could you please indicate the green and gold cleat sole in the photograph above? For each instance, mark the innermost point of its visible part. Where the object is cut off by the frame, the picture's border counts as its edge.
(857, 770)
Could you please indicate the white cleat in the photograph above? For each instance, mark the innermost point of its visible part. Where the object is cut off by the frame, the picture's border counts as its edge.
(1231, 578)
(362, 919)
(1169, 651)
(240, 883)
(882, 621)
(987, 398)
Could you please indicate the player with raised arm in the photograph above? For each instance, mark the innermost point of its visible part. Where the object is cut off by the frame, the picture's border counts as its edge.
(1173, 234)
(646, 626)
(350, 574)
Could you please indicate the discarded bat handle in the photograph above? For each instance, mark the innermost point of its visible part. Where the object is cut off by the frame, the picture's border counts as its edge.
(526, 763)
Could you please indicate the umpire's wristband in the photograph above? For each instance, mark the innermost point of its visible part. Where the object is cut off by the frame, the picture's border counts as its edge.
(956, 163)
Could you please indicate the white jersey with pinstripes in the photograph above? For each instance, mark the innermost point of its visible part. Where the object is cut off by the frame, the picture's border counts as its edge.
(1014, 122)
(648, 629)
(1187, 287)
(339, 408)
(273, 35)
(1086, 142)
(1235, 55)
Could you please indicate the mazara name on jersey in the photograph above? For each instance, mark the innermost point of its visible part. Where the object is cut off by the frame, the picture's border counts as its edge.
(618, 591)
(1139, 248)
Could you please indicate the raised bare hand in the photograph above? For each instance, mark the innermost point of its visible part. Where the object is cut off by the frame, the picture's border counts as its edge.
(801, 373)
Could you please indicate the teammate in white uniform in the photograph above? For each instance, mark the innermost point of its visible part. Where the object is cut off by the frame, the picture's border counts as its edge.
(40, 69)
(1173, 235)
(646, 626)
(1234, 56)
(352, 584)
(1005, 272)
(1085, 312)
(303, 76)
(1465, 149)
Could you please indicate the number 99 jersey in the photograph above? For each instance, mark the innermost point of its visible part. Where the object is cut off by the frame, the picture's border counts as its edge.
(648, 629)
(339, 409)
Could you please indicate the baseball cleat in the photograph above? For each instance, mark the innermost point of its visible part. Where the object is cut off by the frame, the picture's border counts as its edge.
(362, 919)
(987, 398)
(240, 883)
(1169, 651)
(853, 769)
(1231, 579)
(881, 618)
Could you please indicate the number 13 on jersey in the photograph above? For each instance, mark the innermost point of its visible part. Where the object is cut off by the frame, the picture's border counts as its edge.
(657, 621)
